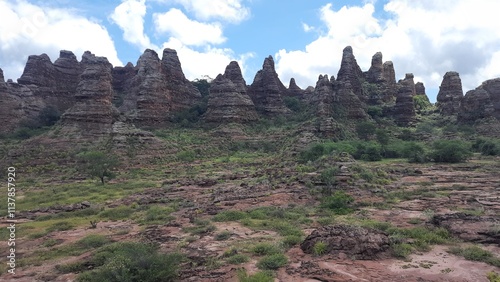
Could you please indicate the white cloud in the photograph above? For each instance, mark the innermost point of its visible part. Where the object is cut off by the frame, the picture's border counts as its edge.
(228, 10)
(425, 37)
(307, 27)
(210, 61)
(27, 29)
(188, 31)
(129, 16)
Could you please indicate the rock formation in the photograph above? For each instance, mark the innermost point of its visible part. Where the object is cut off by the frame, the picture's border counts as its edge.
(352, 241)
(420, 89)
(351, 72)
(93, 114)
(155, 89)
(404, 109)
(55, 83)
(482, 102)
(380, 85)
(450, 94)
(228, 100)
(294, 90)
(267, 91)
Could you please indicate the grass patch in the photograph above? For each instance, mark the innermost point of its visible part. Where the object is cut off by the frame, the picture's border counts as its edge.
(320, 248)
(272, 262)
(118, 213)
(264, 249)
(229, 216)
(261, 276)
(200, 227)
(237, 259)
(222, 236)
(476, 253)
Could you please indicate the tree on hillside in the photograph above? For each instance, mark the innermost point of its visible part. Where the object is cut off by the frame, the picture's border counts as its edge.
(98, 164)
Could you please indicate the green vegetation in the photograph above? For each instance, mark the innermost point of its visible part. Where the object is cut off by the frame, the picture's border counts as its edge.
(264, 249)
(450, 151)
(272, 262)
(339, 202)
(98, 164)
(261, 276)
(493, 276)
(132, 262)
(476, 253)
(320, 248)
(487, 147)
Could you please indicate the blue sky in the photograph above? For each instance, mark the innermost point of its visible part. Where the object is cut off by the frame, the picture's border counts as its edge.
(306, 38)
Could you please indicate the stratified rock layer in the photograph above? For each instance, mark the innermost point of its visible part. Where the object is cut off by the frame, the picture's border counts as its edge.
(93, 114)
(450, 94)
(482, 102)
(267, 91)
(353, 241)
(228, 100)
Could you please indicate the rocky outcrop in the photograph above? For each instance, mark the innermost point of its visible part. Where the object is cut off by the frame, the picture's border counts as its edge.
(267, 91)
(55, 83)
(404, 109)
(353, 241)
(450, 94)
(2, 79)
(380, 86)
(347, 104)
(154, 90)
(228, 100)
(468, 227)
(482, 102)
(93, 114)
(294, 90)
(182, 92)
(351, 72)
(420, 89)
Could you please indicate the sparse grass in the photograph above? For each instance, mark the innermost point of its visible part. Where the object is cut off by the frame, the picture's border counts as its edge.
(292, 240)
(118, 213)
(476, 253)
(264, 249)
(272, 262)
(493, 276)
(230, 216)
(238, 259)
(200, 227)
(222, 236)
(261, 276)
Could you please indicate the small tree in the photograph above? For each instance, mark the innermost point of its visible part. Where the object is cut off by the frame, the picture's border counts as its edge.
(365, 130)
(98, 164)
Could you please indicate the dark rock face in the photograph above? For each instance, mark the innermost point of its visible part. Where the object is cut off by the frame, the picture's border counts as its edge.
(2, 79)
(420, 89)
(450, 94)
(353, 241)
(469, 227)
(351, 72)
(376, 71)
(267, 90)
(54, 83)
(93, 113)
(228, 100)
(17, 103)
(294, 90)
(348, 104)
(483, 102)
(155, 89)
(404, 110)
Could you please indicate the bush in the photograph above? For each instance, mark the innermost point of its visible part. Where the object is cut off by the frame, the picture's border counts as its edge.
(320, 248)
(414, 152)
(49, 116)
(339, 202)
(293, 103)
(368, 151)
(98, 164)
(487, 147)
(450, 151)
(365, 130)
(475, 253)
(272, 262)
(291, 240)
(230, 216)
(131, 262)
(264, 249)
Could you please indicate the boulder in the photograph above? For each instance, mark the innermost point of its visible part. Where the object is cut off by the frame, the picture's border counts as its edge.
(354, 241)
(228, 100)
(267, 91)
(450, 94)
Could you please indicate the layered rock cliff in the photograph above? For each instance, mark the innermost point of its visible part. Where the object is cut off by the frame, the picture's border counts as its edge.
(450, 94)
(228, 100)
(267, 91)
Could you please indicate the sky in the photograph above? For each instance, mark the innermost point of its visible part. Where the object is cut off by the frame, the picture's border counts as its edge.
(305, 37)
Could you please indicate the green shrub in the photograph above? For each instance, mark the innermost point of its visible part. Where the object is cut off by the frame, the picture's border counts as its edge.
(291, 240)
(475, 253)
(401, 250)
(320, 248)
(368, 151)
(375, 111)
(487, 147)
(49, 115)
(98, 164)
(264, 249)
(222, 236)
(365, 130)
(93, 241)
(186, 156)
(272, 262)
(60, 226)
(293, 103)
(157, 214)
(131, 262)
(450, 151)
(339, 202)
(414, 152)
(328, 176)
(118, 213)
(493, 276)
